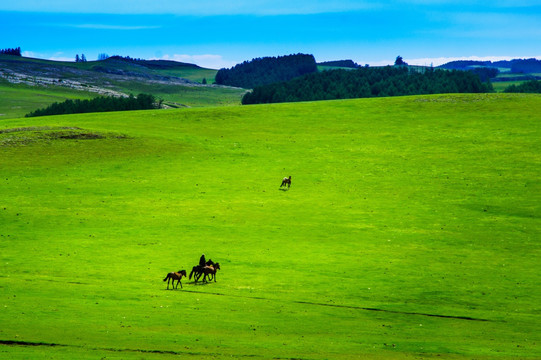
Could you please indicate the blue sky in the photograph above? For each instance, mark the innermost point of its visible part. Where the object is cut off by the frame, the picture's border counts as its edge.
(217, 34)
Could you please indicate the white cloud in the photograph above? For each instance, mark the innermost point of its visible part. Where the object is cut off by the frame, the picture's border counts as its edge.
(62, 58)
(58, 56)
(29, 54)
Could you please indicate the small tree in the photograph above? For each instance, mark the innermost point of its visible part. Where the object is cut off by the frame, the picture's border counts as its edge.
(204, 82)
(77, 59)
(83, 58)
(399, 61)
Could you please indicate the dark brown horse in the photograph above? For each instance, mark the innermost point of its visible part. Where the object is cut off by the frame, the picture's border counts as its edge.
(210, 271)
(286, 181)
(175, 276)
(197, 270)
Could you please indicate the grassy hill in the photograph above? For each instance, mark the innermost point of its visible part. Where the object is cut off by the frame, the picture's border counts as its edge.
(178, 84)
(411, 230)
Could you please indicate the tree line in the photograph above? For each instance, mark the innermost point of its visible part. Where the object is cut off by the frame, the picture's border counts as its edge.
(517, 66)
(267, 70)
(81, 58)
(99, 104)
(526, 66)
(533, 86)
(341, 63)
(367, 82)
(15, 51)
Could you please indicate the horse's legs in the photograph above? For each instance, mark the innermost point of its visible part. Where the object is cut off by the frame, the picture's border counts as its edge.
(168, 279)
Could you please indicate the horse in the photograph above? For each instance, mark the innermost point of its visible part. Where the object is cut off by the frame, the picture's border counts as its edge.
(210, 271)
(175, 276)
(197, 270)
(286, 181)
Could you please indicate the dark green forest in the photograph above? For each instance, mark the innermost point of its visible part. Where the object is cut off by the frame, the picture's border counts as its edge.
(533, 86)
(341, 63)
(267, 70)
(367, 82)
(14, 51)
(98, 104)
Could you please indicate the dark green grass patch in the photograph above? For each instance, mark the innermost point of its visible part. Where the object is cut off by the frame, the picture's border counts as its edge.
(411, 230)
(26, 135)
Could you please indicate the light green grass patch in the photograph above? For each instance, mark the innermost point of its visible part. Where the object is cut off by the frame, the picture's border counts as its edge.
(19, 100)
(411, 230)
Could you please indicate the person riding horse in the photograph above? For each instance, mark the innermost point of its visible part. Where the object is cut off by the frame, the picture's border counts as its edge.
(198, 269)
(202, 261)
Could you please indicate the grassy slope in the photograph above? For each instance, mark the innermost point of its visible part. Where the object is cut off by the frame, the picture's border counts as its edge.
(172, 93)
(414, 206)
(19, 100)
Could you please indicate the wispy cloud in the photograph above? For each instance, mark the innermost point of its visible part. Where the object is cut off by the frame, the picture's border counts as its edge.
(190, 7)
(111, 27)
(491, 25)
(246, 7)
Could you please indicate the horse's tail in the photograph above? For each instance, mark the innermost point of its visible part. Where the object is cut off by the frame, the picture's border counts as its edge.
(191, 274)
(167, 277)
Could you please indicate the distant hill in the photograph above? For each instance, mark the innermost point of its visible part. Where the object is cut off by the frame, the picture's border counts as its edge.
(267, 70)
(340, 63)
(177, 84)
(91, 72)
(515, 66)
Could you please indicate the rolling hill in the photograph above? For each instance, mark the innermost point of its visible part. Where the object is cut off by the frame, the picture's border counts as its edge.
(411, 230)
(178, 84)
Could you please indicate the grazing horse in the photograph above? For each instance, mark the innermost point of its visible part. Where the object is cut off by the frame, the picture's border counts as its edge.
(197, 270)
(210, 271)
(286, 181)
(175, 276)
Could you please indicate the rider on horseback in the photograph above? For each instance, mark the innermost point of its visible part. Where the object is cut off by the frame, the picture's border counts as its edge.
(198, 269)
(202, 261)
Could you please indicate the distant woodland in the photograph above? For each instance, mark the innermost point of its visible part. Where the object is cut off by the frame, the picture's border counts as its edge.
(15, 51)
(267, 70)
(367, 82)
(515, 66)
(533, 86)
(341, 63)
(98, 104)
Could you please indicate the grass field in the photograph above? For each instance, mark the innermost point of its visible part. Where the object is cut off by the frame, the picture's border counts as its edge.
(191, 96)
(411, 231)
(19, 100)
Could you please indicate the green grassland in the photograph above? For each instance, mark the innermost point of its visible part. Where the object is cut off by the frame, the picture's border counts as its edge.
(411, 231)
(17, 100)
(191, 96)
(500, 86)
